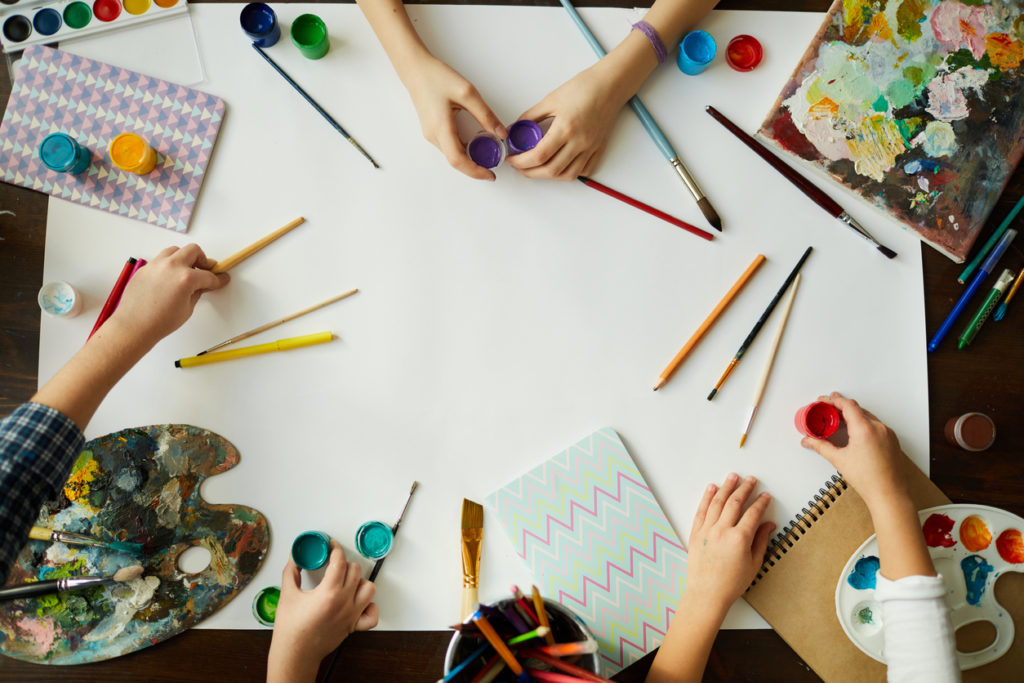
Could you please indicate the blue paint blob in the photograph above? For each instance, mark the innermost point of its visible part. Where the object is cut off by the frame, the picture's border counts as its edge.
(47, 21)
(373, 540)
(863, 575)
(311, 550)
(976, 571)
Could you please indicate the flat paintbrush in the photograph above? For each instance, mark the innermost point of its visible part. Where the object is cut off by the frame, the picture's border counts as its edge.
(72, 583)
(472, 539)
(39, 533)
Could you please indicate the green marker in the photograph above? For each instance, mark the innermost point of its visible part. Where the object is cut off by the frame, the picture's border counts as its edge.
(986, 308)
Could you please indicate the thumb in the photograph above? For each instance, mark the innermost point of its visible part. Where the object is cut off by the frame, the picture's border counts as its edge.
(825, 449)
(369, 618)
(474, 103)
(290, 578)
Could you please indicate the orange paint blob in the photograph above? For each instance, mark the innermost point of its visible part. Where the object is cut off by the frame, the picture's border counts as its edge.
(974, 534)
(1011, 546)
(1003, 51)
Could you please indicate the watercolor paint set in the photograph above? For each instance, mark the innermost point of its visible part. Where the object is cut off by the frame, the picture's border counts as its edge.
(971, 546)
(28, 22)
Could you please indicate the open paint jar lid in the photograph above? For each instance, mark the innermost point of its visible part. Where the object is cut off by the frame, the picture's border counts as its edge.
(374, 540)
(744, 53)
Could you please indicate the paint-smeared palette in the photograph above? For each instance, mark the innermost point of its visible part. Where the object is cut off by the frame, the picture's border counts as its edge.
(137, 485)
(971, 546)
(30, 22)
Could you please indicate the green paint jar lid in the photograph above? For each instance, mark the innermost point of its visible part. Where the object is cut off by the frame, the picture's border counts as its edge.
(264, 605)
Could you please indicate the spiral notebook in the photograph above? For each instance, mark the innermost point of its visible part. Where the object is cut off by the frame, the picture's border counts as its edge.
(795, 588)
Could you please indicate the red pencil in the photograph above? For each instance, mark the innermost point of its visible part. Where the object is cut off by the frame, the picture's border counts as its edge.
(637, 204)
(138, 264)
(115, 295)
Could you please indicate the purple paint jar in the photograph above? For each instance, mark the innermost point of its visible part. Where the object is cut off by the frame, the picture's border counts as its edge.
(523, 136)
(487, 150)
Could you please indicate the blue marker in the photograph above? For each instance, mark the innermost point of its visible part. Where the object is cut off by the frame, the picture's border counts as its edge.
(972, 289)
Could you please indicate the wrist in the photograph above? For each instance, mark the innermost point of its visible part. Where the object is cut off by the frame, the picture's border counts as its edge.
(626, 67)
(703, 605)
(287, 665)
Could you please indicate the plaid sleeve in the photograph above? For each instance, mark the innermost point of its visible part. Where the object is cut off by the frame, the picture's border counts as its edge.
(38, 446)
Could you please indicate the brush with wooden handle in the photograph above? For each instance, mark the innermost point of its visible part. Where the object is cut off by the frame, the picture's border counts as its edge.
(40, 533)
(472, 538)
(72, 583)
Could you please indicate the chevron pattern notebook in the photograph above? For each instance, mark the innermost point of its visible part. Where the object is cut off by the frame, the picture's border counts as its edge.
(596, 540)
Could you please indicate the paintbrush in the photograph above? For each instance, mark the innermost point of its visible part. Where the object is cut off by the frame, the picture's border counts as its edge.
(472, 538)
(72, 583)
(39, 533)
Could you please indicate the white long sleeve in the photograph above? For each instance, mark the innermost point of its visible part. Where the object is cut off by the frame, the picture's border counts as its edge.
(919, 643)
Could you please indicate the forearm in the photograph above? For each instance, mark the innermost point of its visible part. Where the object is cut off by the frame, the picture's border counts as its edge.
(78, 388)
(290, 667)
(396, 34)
(684, 652)
(901, 548)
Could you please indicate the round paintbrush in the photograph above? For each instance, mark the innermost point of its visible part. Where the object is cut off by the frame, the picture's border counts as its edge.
(74, 583)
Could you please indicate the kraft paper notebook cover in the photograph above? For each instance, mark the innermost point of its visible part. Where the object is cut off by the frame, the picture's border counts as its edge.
(795, 589)
(596, 540)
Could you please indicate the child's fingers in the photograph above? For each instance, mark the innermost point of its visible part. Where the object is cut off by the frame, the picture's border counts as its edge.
(353, 576)
(337, 567)
(824, 448)
(166, 252)
(592, 162)
(733, 508)
(364, 594)
(290, 578)
(204, 281)
(454, 151)
(369, 618)
(702, 509)
(718, 500)
(760, 543)
(550, 145)
(488, 120)
(750, 520)
(190, 255)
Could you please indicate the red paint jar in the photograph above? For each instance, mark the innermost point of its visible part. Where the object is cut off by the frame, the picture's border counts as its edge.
(744, 53)
(818, 419)
(971, 431)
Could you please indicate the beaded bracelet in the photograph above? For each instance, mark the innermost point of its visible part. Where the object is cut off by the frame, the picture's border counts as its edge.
(659, 47)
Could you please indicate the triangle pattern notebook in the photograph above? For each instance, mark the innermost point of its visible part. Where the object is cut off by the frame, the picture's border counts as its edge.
(588, 526)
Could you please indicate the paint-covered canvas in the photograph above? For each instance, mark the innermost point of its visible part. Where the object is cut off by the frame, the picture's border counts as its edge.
(139, 486)
(915, 105)
(589, 528)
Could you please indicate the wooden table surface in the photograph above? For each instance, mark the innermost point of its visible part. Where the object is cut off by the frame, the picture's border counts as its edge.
(986, 378)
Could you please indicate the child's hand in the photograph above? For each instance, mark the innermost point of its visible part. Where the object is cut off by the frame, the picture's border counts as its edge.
(870, 461)
(727, 545)
(163, 293)
(310, 624)
(438, 92)
(584, 109)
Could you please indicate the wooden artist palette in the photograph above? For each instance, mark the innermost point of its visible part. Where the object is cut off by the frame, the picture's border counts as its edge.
(138, 485)
(971, 546)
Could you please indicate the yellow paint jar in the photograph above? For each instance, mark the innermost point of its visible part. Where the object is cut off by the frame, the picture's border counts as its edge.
(131, 153)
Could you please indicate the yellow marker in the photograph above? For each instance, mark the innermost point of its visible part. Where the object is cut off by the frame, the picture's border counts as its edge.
(131, 153)
(280, 345)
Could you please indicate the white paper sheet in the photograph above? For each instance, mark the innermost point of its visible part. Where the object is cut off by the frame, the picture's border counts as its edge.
(497, 323)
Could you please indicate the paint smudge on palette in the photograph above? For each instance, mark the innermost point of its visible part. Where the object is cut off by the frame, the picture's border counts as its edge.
(976, 571)
(974, 534)
(864, 574)
(916, 106)
(938, 530)
(1011, 546)
(138, 485)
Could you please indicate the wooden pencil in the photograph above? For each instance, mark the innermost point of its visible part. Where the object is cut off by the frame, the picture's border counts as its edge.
(542, 614)
(279, 321)
(236, 258)
(763, 382)
(709, 321)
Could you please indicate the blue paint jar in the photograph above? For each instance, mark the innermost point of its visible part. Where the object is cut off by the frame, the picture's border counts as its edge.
(696, 52)
(374, 540)
(60, 152)
(260, 23)
(311, 550)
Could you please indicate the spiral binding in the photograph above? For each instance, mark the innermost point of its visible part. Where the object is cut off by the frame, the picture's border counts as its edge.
(801, 524)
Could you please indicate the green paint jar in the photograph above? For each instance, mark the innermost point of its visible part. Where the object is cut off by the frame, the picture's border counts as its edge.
(374, 539)
(311, 550)
(309, 34)
(264, 605)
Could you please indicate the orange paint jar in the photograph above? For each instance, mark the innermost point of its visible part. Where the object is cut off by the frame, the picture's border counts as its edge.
(131, 153)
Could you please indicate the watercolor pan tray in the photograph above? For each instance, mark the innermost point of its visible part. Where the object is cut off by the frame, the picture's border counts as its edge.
(33, 22)
(971, 546)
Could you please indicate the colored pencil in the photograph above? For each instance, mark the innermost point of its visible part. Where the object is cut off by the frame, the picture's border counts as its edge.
(472, 539)
(996, 236)
(582, 647)
(637, 204)
(542, 613)
(115, 296)
(987, 267)
(320, 110)
(236, 258)
(554, 676)
(807, 187)
(269, 347)
(279, 321)
(539, 632)
(460, 667)
(495, 640)
(491, 670)
(1001, 311)
(564, 666)
(708, 322)
(763, 382)
(760, 322)
(652, 128)
(511, 614)
(521, 600)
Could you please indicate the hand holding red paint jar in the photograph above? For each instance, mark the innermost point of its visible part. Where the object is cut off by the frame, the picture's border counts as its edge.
(310, 624)
(870, 461)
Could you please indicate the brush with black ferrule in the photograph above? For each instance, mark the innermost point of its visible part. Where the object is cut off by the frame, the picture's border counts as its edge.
(760, 323)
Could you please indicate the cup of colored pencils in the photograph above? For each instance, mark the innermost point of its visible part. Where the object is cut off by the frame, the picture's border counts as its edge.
(540, 640)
